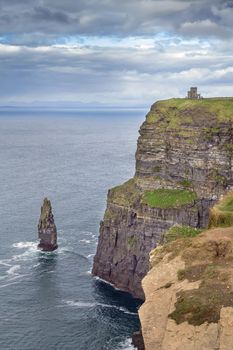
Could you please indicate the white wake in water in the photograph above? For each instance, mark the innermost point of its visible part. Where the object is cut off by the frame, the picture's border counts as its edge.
(80, 304)
(83, 304)
(31, 248)
(12, 264)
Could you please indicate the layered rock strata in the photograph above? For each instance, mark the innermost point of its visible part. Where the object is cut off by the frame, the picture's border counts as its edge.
(47, 231)
(184, 146)
(189, 294)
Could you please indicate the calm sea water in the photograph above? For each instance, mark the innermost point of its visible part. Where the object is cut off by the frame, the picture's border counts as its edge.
(50, 300)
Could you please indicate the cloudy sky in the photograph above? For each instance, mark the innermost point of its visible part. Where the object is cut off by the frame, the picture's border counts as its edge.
(113, 52)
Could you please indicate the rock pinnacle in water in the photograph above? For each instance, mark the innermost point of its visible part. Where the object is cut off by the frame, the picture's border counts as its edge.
(47, 230)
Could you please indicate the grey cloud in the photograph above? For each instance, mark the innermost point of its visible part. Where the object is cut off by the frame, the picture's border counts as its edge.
(123, 76)
(206, 27)
(37, 65)
(45, 14)
(110, 17)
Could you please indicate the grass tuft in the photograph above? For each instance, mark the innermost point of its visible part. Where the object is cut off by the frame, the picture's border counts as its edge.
(125, 194)
(222, 214)
(168, 198)
(177, 231)
(202, 305)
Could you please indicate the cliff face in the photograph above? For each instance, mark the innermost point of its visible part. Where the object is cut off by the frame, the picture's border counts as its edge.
(189, 294)
(187, 144)
(183, 164)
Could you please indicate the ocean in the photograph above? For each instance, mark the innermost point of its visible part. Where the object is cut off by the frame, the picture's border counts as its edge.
(50, 300)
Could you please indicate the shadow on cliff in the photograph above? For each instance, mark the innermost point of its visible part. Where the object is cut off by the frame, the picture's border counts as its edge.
(106, 293)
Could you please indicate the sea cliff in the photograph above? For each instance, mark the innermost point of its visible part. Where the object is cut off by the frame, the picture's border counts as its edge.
(183, 166)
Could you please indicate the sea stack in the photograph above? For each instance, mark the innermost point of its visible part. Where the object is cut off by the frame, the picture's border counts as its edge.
(47, 230)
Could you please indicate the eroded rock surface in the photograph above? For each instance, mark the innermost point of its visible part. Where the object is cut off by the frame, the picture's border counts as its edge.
(184, 145)
(189, 294)
(47, 230)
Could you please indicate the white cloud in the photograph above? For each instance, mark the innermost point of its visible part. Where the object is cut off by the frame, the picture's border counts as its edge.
(113, 52)
(114, 74)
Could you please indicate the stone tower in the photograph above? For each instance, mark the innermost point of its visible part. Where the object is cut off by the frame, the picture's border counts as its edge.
(192, 94)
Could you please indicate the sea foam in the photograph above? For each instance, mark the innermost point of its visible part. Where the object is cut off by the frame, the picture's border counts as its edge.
(83, 304)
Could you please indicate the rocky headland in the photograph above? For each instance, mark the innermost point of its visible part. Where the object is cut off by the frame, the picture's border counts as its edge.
(47, 231)
(183, 166)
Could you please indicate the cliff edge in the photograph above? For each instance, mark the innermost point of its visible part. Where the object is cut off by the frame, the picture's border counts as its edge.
(189, 294)
(183, 165)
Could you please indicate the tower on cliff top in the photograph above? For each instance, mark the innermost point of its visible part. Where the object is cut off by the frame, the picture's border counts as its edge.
(192, 93)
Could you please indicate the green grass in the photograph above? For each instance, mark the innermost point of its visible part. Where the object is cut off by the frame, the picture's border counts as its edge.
(199, 272)
(202, 305)
(168, 198)
(227, 202)
(186, 183)
(152, 117)
(179, 111)
(222, 107)
(222, 214)
(176, 232)
(125, 194)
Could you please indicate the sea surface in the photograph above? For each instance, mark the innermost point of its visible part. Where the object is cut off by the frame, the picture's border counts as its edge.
(50, 300)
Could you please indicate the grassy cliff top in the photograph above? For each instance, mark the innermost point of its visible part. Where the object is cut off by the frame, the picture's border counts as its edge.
(188, 110)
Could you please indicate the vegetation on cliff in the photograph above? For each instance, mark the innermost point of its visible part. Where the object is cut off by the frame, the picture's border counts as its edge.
(125, 194)
(187, 110)
(221, 215)
(177, 231)
(209, 260)
(128, 193)
(168, 198)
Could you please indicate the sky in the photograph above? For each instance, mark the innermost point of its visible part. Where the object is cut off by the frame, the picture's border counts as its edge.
(125, 53)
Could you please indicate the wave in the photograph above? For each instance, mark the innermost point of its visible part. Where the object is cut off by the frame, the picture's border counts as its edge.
(85, 241)
(90, 234)
(106, 282)
(21, 245)
(87, 233)
(24, 256)
(80, 304)
(83, 304)
(2, 262)
(126, 345)
(8, 284)
(31, 248)
(12, 270)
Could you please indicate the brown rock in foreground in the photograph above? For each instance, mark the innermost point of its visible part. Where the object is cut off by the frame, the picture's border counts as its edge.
(189, 294)
(47, 230)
